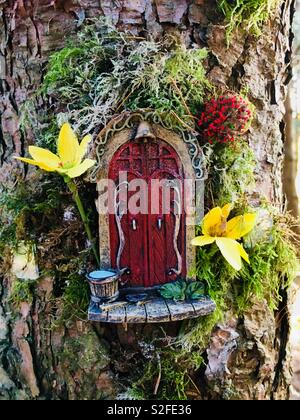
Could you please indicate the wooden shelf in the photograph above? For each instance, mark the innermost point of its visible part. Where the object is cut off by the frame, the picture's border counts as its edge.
(158, 310)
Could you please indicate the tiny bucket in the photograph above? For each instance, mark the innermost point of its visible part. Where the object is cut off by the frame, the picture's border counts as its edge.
(104, 285)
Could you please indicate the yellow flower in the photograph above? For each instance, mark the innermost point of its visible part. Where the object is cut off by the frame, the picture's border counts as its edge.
(69, 161)
(216, 228)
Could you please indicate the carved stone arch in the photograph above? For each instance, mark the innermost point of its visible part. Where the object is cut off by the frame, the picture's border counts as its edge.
(113, 138)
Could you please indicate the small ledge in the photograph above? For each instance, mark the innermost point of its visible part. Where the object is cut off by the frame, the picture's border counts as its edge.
(155, 311)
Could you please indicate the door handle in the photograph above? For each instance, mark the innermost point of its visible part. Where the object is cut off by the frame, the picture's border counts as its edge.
(159, 223)
(134, 224)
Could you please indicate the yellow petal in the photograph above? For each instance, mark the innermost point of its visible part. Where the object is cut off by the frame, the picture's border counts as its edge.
(241, 225)
(203, 240)
(62, 171)
(68, 146)
(211, 221)
(230, 251)
(80, 169)
(30, 161)
(83, 147)
(44, 156)
(226, 210)
(39, 164)
(244, 254)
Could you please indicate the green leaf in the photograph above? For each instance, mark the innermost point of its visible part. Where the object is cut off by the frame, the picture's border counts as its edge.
(175, 290)
(195, 290)
(182, 290)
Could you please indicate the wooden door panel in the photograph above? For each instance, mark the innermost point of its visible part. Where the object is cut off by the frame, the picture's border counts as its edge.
(134, 256)
(148, 249)
(157, 253)
(171, 258)
(135, 252)
(163, 239)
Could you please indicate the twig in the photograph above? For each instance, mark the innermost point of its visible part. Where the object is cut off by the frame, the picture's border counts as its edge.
(159, 377)
(138, 38)
(182, 98)
(193, 383)
(143, 302)
(182, 122)
(109, 307)
(128, 96)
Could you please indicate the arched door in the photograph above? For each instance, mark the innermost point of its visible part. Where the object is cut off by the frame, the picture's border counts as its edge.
(147, 231)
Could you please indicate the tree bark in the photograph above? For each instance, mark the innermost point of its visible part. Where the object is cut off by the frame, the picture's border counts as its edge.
(291, 151)
(247, 358)
(290, 162)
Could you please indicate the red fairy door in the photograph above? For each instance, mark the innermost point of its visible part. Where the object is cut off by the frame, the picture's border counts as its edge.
(147, 231)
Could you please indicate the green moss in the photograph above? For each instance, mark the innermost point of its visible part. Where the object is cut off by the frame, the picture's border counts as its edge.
(273, 267)
(22, 291)
(75, 297)
(175, 381)
(101, 74)
(42, 122)
(31, 203)
(170, 373)
(174, 85)
(83, 359)
(34, 212)
(104, 72)
(231, 171)
(132, 394)
(92, 354)
(62, 68)
(249, 14)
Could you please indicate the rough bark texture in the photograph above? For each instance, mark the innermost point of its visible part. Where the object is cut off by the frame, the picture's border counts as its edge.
(291, 149)
(247, 358)
(295, 343)
(290, 162)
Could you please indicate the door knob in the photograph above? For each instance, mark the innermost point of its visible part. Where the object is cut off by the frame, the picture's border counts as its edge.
(159, 223)
(134, 224)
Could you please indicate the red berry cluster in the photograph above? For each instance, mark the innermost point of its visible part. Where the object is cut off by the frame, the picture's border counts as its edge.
(225, 118)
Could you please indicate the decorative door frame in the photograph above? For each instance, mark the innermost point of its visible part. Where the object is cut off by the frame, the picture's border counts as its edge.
(146, 250)
(122, 130)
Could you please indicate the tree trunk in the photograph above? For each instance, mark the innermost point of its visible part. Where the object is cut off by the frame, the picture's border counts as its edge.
(290, 162)
(291, 151)
(247, 356)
